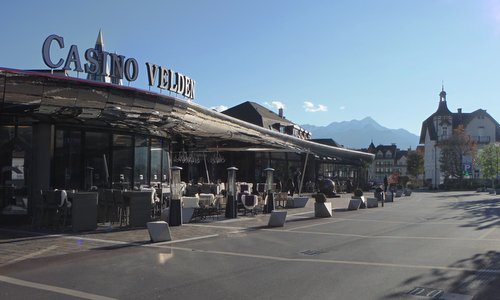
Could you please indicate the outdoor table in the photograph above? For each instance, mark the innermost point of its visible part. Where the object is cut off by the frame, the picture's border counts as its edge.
(140, 208)
(83, 210)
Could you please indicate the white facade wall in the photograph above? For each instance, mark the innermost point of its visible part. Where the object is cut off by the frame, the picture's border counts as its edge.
(481, 128)
(431, 161)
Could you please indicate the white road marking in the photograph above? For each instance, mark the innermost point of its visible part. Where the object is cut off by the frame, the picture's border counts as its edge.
(54, 289)
(213, 226)
(312, 225)
(488, 232)
(180, 241)
(384, 236)
(30, 255)
(342, 262)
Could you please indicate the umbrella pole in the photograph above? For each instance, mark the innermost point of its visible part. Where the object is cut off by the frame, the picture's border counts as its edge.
(303, 174)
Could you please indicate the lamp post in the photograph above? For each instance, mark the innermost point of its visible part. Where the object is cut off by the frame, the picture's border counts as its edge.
(231, 205)
(269, 190)
(175, 218)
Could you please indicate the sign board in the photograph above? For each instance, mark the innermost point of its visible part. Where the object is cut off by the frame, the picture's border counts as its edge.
(102, 63)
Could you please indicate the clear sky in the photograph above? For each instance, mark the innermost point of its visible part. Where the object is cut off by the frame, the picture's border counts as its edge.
(324, 61)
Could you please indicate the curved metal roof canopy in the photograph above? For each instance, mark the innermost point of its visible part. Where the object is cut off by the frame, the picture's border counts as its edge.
(87, 103)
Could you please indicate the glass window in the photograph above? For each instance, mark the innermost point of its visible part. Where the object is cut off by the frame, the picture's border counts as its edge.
(156, 155)
(141, 161)
(165, 163)
(123, 155)
(67, 159)
(96, 160)
(15, 162)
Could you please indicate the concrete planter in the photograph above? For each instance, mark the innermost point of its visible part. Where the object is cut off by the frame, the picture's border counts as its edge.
(371, 202)
(159, 231)
(354, 204)
(296, 202)
(277, 218)
(363, 201)
(323, 210)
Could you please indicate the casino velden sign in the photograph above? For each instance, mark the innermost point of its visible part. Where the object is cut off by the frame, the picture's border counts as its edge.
(96, 63)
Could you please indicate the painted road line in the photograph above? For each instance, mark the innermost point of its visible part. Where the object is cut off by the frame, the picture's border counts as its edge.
(180, 241)
(310, 225)
(386, 236)
(30, 255)
(214, 226)
(54, 289)
(338, 262)
(402, 222)
(485, 234)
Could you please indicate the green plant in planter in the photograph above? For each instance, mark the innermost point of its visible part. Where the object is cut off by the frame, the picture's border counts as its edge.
(358, 193)
(319, 197)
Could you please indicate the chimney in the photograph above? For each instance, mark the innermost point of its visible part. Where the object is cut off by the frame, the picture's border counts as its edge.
(459, 110)
(280, 112)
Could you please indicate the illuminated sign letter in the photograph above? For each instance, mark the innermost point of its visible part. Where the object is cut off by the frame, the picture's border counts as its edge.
(135, 69)
(163, 79)
(46, 50)
(73, 57)
(151, 73)
(93, 63)
(117, 62)
(181, 83)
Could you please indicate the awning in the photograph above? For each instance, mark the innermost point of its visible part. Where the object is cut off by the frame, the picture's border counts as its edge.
(81, 102)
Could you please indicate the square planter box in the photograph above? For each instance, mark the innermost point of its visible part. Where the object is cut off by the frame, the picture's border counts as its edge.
(323, 210)
(354, 204)
(296, 202)
(277, 218)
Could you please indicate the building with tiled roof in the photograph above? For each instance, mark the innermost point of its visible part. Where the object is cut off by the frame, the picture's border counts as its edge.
(388, 159)
(439, 126)
(259, 115)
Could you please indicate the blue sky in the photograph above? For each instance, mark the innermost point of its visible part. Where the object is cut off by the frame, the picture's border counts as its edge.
(324, 61)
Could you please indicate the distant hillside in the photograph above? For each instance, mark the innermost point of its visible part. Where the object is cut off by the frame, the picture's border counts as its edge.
(358, 134)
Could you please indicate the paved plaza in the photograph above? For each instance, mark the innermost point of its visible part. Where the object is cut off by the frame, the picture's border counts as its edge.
(442, 245)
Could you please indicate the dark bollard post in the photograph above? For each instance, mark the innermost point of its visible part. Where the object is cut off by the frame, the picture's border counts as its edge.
(175, 207)
(231, 205)
(269, 190)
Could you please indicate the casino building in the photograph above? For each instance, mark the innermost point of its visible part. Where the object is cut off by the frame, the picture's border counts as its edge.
(62, 132)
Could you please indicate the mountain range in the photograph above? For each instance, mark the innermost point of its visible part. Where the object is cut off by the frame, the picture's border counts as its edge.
(357, 134)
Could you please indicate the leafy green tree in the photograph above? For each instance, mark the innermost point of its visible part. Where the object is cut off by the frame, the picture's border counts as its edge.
(415, 163)
(488, 161)
(453, 151)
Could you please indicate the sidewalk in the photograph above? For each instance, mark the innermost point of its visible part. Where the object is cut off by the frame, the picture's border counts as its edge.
(22, 243)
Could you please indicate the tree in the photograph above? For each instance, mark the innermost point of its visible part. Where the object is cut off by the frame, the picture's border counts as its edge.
(453, 151)
(488, 161)
(415, 163)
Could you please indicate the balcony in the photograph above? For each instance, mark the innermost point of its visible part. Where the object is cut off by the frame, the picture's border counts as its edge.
(482, 139)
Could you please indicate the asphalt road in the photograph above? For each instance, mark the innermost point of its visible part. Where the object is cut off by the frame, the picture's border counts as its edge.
(432, 245)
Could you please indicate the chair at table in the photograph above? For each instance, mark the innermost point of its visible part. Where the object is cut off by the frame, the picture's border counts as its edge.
(190, 208)
(49, 209)
(249, 203)
(281, 199)
(121, 207)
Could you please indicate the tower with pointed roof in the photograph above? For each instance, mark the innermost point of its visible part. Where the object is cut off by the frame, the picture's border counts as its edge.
(440, 126)
(99, 47)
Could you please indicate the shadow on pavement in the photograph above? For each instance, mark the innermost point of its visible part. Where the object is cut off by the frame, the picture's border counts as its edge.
(481, 214)
(480, 280)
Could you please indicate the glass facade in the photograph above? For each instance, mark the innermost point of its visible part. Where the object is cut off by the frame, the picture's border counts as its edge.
(15, 168)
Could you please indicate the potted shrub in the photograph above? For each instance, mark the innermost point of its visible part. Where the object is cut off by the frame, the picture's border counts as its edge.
(319, 198)
(358, 193)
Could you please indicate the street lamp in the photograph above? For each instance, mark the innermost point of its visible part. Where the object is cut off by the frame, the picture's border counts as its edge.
(231, 205)
(175, 206)
(269, 189)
